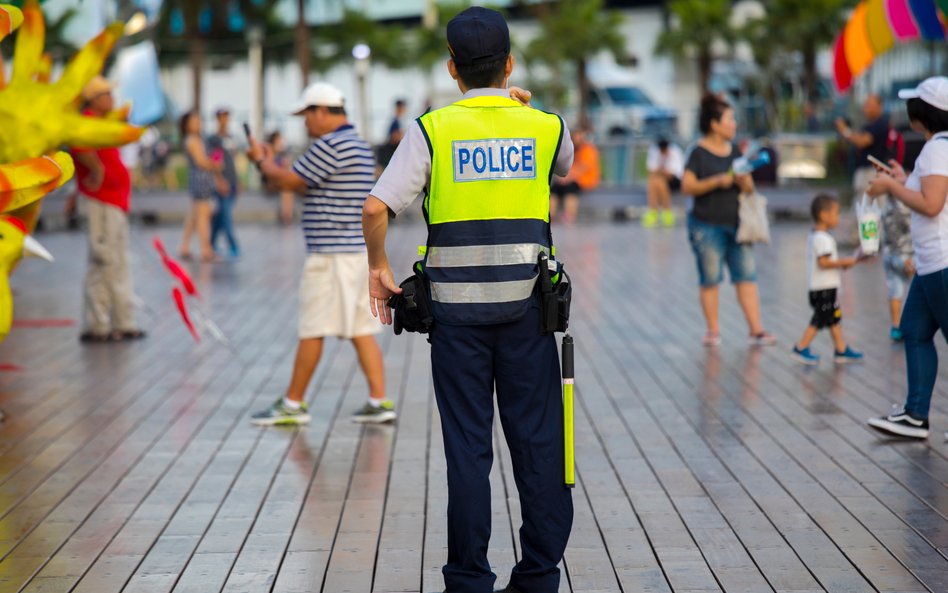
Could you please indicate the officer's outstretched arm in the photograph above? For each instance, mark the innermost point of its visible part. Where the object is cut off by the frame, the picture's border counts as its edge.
(381, 281)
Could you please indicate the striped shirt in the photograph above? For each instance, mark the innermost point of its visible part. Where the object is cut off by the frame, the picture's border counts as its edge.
(339, 169)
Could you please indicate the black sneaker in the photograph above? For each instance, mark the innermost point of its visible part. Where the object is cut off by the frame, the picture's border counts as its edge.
(901, 424)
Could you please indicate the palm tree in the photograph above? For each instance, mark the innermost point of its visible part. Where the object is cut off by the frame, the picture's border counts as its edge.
(303, 49)
(573, 32)
(804, 27)
(697, 27)
(201, 22)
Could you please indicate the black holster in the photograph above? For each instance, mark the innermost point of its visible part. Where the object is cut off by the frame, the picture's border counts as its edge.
(412, 309)
(554, 299)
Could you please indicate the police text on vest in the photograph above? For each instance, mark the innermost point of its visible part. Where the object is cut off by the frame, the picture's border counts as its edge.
(496, 158)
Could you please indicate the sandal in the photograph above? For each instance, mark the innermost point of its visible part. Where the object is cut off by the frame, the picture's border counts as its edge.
(94, 338)
(711, 339)
(133, 334)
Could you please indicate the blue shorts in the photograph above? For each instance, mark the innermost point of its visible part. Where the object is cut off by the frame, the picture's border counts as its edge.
(714, 246)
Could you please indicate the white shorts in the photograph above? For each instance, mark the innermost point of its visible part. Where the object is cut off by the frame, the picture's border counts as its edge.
(334, 297)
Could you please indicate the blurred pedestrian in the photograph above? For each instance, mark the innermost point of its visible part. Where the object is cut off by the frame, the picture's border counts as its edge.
(281, 156)
(898, 259)
(221, 146)
(665, 164)
(335, 174)
(396, 131)
(712, 223)
(583, 177)
(102, 177)
(203, 176)
(871, 140)
(925, 192)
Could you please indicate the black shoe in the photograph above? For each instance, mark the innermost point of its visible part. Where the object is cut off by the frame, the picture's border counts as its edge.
(508, 589)
(901, 424)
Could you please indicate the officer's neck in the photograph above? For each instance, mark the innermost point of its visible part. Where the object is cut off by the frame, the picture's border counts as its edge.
(464, 88)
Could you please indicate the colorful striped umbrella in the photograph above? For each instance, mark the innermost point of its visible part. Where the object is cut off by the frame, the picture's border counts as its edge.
(878, 28)
(841, 73)
(901, 19)
(926, 17)
(859, 54)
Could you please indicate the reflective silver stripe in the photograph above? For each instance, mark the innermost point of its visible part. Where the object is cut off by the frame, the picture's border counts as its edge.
(484, 255)
(482, 292)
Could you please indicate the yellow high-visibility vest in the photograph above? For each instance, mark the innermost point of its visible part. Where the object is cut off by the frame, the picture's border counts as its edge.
(487, 207)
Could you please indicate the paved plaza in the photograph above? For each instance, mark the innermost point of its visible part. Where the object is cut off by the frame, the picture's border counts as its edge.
(133, 467)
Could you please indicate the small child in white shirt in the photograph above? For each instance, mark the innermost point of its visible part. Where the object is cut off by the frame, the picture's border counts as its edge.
(824, 279)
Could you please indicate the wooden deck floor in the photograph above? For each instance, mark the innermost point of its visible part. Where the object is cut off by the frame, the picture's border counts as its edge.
(133, 467)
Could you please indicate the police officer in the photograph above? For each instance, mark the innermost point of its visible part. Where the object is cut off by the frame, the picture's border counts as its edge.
(484, 165)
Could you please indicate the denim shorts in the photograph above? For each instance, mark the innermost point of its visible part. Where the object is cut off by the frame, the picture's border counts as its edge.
(714, 246)
(897, 279)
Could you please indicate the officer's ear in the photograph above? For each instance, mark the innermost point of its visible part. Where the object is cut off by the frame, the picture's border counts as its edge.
(452, 69)
(508, 68)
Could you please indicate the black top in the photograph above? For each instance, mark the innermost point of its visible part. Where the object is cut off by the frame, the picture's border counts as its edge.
(880, 135)
(718, 206)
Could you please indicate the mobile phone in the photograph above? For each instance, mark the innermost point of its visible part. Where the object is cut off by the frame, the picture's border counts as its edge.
(247, 132)
(880, 164)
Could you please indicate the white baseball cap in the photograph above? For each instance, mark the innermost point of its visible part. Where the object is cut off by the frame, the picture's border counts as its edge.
(933, 91)
(320, 94)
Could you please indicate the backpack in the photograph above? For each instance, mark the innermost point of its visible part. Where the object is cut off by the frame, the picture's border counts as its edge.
(895, 145)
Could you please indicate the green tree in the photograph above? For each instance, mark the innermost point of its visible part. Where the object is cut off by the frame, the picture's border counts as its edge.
(696, 27)
(573, 32)
(335, 42)
(205, 24)
(803, 27)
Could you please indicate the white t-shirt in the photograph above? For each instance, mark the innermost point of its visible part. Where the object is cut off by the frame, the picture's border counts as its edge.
(821, 243)
(930, 234)
(672, 162)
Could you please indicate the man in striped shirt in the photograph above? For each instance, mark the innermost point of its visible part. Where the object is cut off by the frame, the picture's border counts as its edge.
(334, 175)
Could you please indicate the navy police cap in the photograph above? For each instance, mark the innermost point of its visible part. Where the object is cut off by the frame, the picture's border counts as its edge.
(478, 35)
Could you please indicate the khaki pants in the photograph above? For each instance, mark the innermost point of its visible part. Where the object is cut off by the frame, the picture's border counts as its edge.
(108, 285)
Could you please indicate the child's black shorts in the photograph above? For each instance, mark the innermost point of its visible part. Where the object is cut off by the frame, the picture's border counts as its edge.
(826, 311)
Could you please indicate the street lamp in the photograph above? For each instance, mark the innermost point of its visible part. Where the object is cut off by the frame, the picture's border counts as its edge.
(362, 53)
(255, 34)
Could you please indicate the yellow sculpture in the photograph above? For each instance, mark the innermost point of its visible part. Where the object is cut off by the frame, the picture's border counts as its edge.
(14, 244)
(37, 118)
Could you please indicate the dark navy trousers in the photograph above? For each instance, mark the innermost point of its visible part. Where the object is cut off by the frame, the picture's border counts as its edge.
(468, 364)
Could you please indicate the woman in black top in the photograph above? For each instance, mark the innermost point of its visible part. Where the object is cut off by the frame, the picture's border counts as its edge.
(713, 220)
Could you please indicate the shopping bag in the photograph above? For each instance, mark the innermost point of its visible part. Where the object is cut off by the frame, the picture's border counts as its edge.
(754, 226)
(869, 219)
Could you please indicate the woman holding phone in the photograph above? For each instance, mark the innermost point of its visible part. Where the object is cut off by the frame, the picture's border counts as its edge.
(202, 173)
(926, 308)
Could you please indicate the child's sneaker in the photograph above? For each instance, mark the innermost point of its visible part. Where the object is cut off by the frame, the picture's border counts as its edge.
(895, 334)
(668, 218)
(901, 424)
(650, 218)
(279, 414)
(847, 356)
(369, 414)
(804, 356)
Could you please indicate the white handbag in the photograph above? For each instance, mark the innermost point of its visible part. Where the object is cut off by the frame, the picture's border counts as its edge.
(754, 226)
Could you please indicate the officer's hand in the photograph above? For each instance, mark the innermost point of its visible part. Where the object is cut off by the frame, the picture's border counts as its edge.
(381, 287)
(523, 96)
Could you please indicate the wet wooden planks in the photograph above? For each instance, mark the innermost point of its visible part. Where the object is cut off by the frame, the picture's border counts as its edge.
(133, 467)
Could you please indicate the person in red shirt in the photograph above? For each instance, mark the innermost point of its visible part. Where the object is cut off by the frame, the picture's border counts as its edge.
(109, 314)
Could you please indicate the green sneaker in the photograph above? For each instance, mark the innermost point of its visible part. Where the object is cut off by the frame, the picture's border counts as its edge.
(650, 218)
(668, 218)
(278, 413)
(369, 414)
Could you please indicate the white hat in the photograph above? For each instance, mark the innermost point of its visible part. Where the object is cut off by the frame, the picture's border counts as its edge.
(320, 94)
(933, 91)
